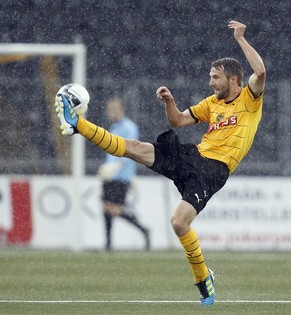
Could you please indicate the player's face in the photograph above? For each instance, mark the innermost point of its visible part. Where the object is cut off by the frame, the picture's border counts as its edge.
(219, 83)
(114, 110)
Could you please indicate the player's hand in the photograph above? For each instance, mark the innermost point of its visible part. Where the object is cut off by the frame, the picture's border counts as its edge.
(239, 29)
(107, 171)
(164, 94)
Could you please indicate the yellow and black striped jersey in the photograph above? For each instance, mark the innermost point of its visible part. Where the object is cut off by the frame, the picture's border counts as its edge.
(232, 126)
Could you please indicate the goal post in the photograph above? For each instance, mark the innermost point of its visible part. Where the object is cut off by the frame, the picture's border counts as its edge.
(78, 53)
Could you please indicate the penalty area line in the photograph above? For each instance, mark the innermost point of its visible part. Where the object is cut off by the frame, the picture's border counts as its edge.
(142, 301)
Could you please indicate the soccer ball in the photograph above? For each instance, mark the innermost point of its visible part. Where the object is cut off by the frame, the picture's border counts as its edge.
(77, 96)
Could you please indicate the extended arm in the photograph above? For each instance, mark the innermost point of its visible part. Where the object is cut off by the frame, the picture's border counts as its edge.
(175, 117)
(258, 78)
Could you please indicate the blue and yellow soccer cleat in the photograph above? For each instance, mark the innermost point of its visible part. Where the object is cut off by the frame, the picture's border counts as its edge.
(206, 289)
(67, 115)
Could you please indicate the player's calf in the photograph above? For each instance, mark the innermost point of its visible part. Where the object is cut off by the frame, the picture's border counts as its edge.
(71, 123)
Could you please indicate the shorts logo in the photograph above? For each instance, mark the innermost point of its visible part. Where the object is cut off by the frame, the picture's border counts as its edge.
(196, 195)
(232, 120)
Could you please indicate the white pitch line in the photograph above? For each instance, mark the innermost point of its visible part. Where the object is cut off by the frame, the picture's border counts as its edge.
(143, 301)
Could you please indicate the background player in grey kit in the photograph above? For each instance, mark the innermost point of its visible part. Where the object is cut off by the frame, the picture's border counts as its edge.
(118, 175)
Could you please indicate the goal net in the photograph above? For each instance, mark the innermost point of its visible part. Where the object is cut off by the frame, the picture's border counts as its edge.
(30, 76)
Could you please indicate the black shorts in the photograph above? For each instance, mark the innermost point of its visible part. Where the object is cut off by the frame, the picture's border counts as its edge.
(115, 191)
(197, 178)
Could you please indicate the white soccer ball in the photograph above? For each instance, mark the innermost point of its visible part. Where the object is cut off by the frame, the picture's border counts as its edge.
(77, 96)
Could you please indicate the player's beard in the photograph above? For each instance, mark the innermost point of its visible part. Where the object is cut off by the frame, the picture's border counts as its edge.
(223, 93)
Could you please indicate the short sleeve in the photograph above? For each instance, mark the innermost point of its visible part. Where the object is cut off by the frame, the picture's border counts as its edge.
(201, 111)
(253, 103)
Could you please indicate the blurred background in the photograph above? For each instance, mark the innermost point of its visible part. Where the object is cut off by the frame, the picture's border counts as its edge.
(133, 47)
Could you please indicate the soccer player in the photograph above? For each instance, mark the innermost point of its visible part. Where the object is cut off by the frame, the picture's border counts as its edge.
(233, 113)
(118, 173)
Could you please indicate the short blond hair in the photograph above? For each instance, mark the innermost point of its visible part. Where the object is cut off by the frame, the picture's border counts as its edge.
(231, 67)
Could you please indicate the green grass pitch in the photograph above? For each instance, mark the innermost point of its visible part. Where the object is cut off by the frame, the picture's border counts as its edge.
(64, 282)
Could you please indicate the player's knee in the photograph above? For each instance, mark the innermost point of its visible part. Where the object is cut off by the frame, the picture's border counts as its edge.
(112, 209)
(179, 226)
(132, 145)
(141, 152)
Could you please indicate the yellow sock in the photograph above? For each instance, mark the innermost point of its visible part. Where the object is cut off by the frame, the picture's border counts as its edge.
(194, 255)
(106, 141)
